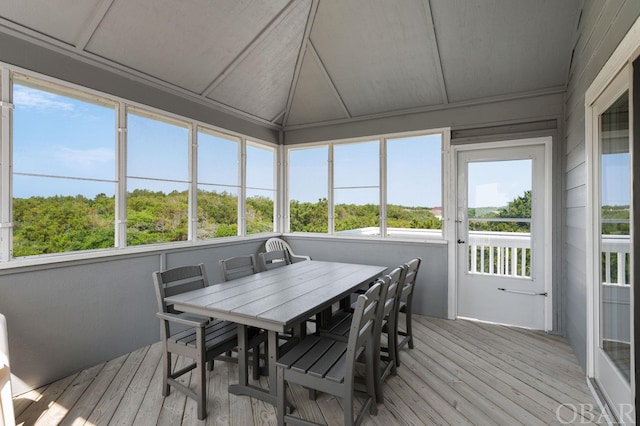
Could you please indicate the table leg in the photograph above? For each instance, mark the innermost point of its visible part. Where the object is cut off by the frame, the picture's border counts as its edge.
(243, 387)
(273, 356)
(243, 355)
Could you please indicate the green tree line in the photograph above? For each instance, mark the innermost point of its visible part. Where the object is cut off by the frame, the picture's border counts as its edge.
(44, 225)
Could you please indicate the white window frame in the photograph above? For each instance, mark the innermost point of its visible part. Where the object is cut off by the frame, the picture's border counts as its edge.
(443, 235)
(120, 135)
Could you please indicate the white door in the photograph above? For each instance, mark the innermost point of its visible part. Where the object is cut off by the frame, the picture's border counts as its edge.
(611, 254)
(501, 235)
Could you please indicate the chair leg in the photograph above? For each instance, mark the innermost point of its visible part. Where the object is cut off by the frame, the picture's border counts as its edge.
(201, 374)
(280, 404)
(255, 359)
(166, 371)
(409, 327)
(348, 409)
(392, 342)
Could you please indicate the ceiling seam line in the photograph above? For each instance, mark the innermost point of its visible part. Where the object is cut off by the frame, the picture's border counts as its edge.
(98, 15)
(419, 110)
(92, 59)
(249, 48)
(306, 40)
(434, 43)
(326, 74)
(280, 114)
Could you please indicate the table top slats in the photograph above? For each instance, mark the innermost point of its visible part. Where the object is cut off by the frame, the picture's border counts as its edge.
(281, 297)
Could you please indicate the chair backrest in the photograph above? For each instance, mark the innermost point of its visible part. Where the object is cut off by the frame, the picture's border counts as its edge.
(364, 324)
(274, 244)
(238, 267)
(410, 278)
(274, 259)
(394, 291)
(178, 280)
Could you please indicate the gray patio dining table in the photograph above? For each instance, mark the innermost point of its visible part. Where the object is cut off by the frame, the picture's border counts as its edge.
(277, 301)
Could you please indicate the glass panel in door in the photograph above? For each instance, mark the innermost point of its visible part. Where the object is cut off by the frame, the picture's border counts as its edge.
(499, 218)
(615, 247)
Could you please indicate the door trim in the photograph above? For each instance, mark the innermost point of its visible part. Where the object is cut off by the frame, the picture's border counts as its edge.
(548, 218)
(622, 57)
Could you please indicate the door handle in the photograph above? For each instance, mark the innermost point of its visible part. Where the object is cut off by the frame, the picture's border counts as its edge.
(460, 241)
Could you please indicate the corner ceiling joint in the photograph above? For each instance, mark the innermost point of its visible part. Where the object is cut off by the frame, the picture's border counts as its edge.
(96, 18)
(431, 29)
(272, 25)
(301, 53)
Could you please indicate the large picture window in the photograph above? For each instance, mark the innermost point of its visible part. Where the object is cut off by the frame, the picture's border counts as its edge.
(356, 187)
(345, 188)
(414, 185)
(63, 170)
(218, 184)
(309, 189)
(157, 179)
(88, 171)
(261, 189)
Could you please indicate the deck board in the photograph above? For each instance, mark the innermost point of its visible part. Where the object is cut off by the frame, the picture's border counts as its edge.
(460, 372)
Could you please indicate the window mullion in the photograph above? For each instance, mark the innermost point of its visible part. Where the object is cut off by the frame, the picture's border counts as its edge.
(242, 193)
(6, 144)
(280, 188)
(383, 187)
(331, 224)
(121, 174)
(193, 184)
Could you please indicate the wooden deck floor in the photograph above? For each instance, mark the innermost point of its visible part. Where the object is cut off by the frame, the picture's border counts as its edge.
(460, 372)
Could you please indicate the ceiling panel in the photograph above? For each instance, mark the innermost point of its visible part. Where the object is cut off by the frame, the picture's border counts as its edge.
(187, 43)
(364, 57)
(260, 84)
(378, 53)
(62, 20)
(498, 47)
(315, 99)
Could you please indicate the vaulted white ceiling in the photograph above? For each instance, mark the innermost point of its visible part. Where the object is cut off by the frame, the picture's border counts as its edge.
(293, 63)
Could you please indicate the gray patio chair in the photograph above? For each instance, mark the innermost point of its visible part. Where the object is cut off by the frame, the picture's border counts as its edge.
(238, 267)
(273, 244)
(406, 302)
(273, 259)
(328, 365)
(339, 328)
(202, 340)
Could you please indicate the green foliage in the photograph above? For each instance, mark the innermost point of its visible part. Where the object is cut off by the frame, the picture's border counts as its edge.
(62, 223)
(520, 207)
(309, 217)
(45, 225)
(615, 220)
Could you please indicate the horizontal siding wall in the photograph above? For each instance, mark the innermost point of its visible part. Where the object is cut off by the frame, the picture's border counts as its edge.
(603, 25)
(430, 297)
(66, 317)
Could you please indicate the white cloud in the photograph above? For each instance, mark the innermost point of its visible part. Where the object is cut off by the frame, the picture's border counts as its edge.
(31, 98)
(84, 159)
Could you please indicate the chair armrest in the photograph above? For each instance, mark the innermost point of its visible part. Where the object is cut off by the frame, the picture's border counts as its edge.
(181, 320)
(298, 258)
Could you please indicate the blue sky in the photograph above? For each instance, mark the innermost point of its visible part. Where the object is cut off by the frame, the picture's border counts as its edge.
(496, 183)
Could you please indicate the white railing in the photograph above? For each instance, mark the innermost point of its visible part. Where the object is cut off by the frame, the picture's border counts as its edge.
(509, 253)
(616, 252)
(500, 253)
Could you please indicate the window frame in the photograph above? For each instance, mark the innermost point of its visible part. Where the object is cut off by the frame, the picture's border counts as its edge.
(445, 187)
(122, 107)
